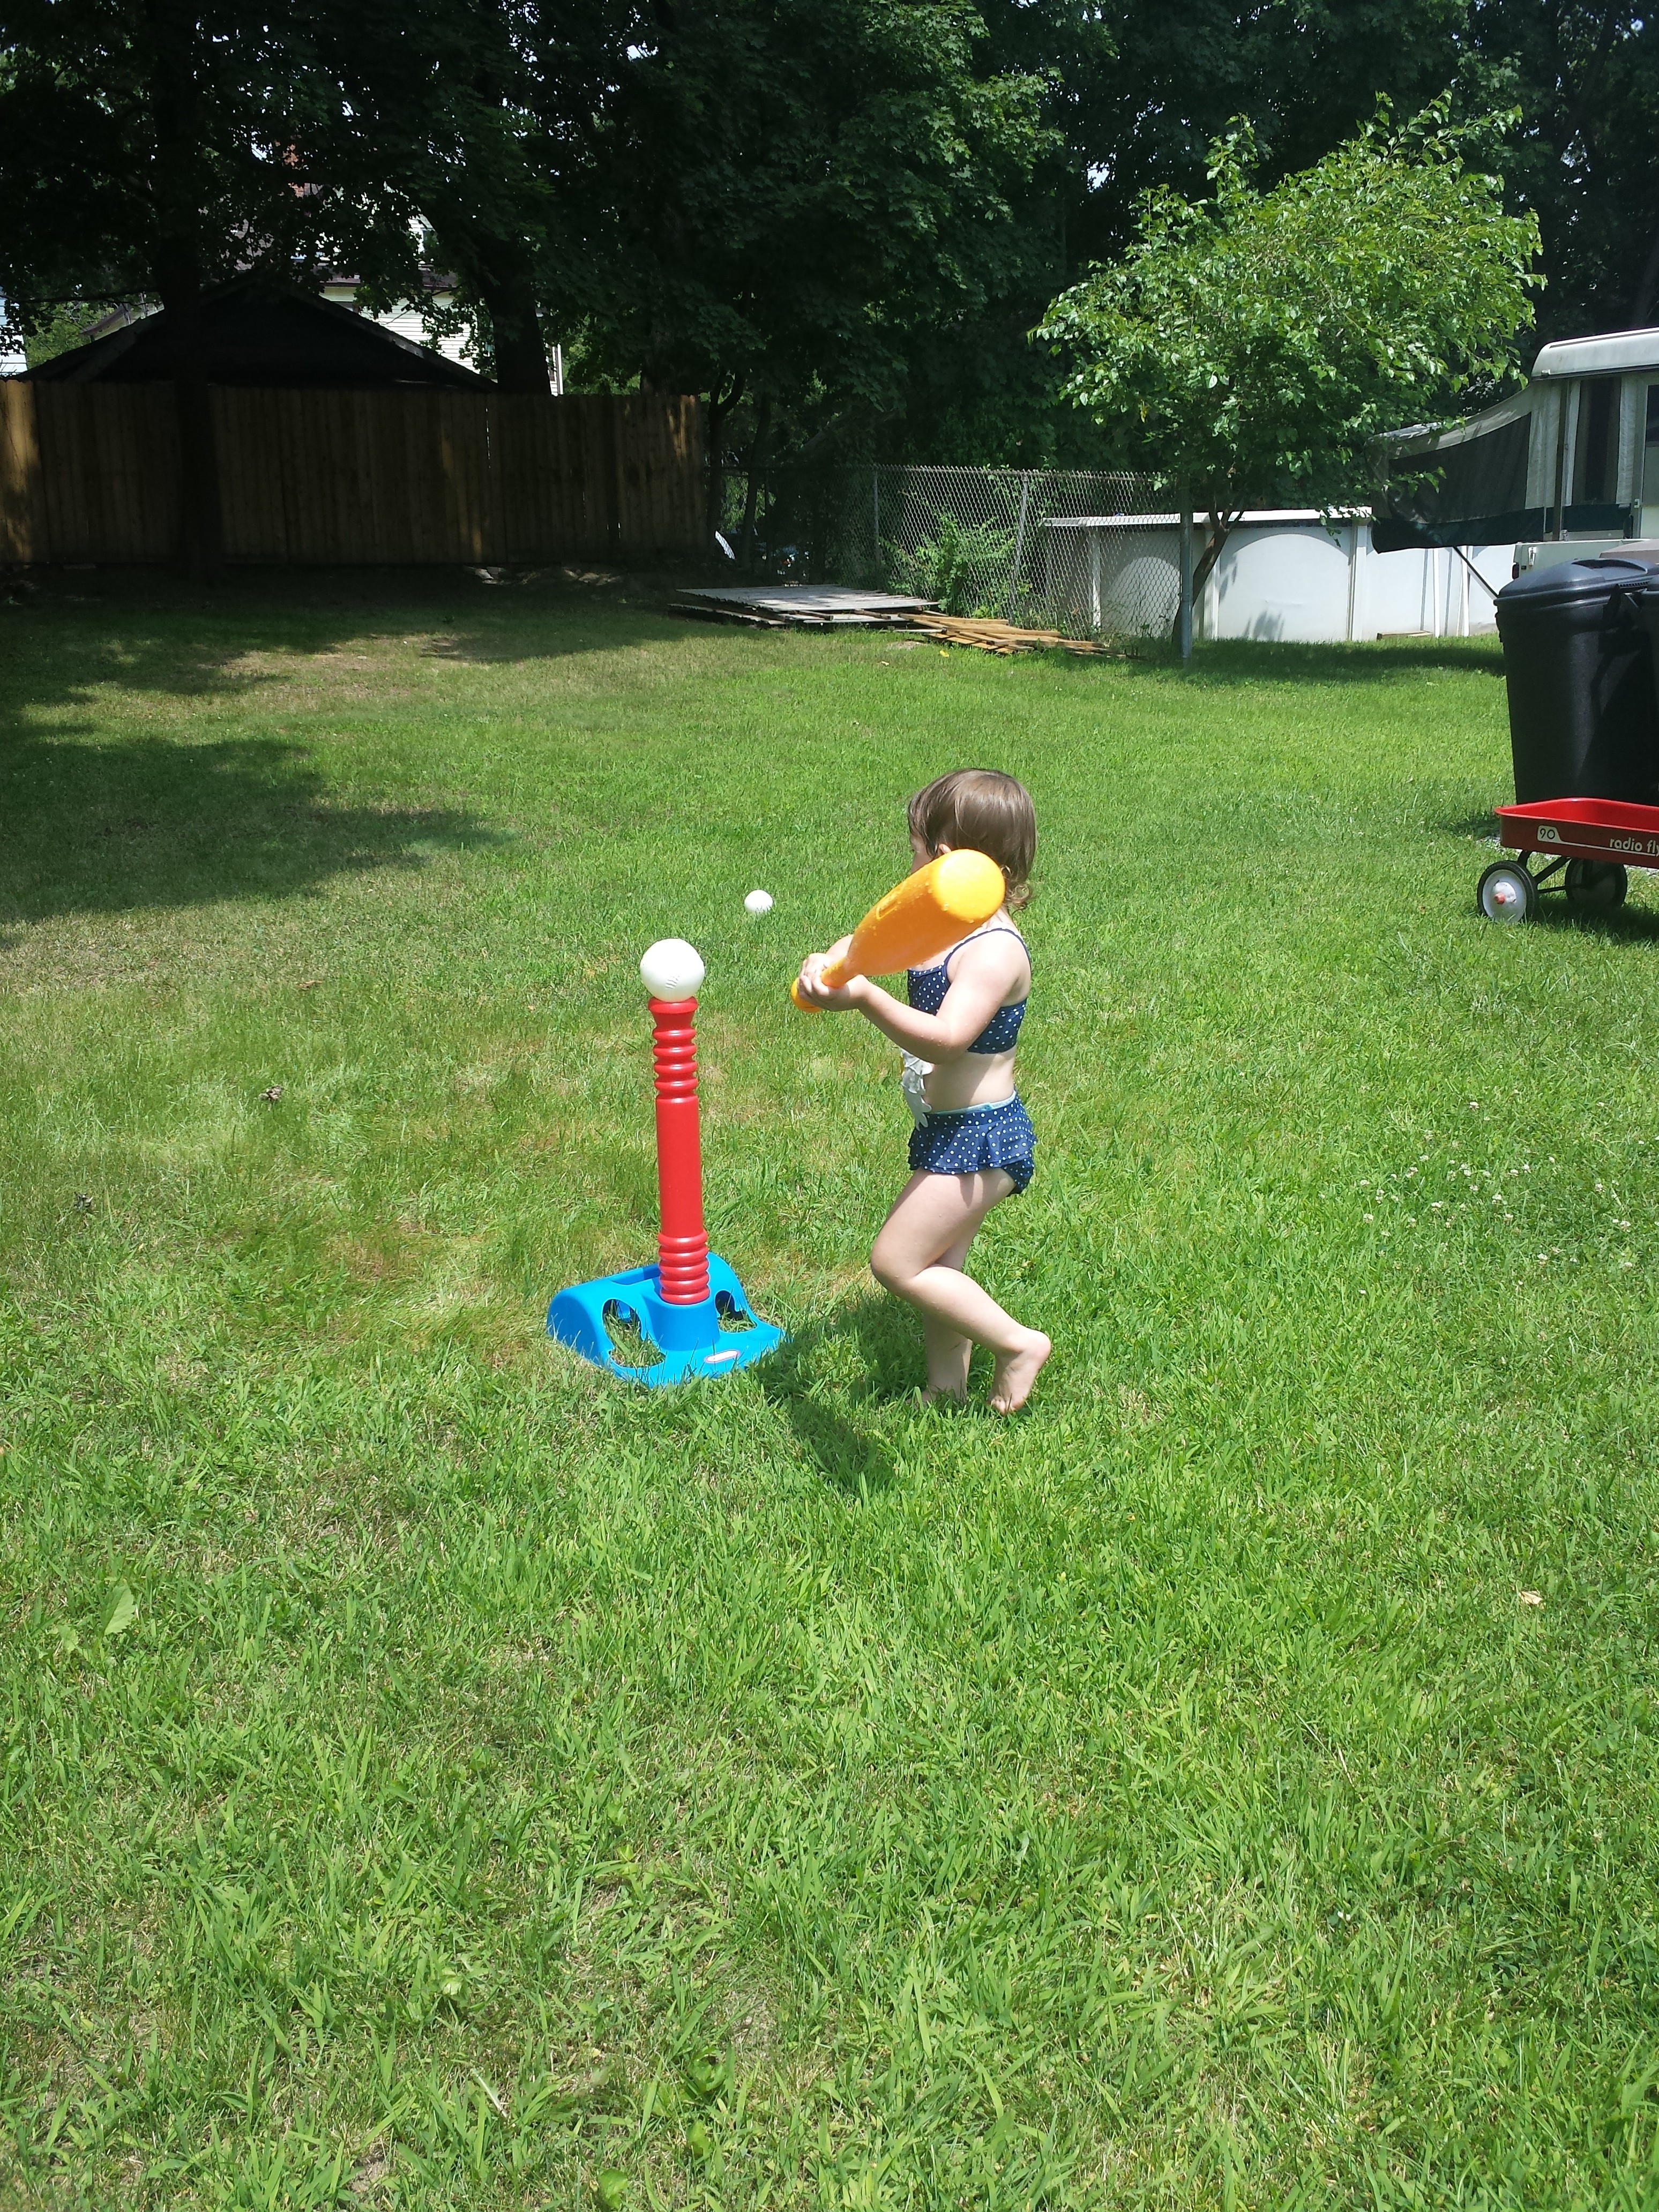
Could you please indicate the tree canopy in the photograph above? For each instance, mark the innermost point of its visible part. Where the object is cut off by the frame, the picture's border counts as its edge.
(451, 132)
(838, 220)
(782, 183)
(149, 146)
(1258, 342)
(1584, 75)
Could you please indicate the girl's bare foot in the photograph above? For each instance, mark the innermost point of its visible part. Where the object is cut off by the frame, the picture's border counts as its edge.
(942, 1393)
(1016, 1372)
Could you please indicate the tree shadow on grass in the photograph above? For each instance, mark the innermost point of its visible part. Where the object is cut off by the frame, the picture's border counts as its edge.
(89, 828)
(145, 629)
(853, 1455)
(567, 628)
(1258, 660)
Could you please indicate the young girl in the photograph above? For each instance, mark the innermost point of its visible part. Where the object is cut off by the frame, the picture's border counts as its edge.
(973, 1142)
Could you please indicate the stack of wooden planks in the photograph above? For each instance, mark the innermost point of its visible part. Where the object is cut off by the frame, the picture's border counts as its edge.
(809, 606)
(991, 635)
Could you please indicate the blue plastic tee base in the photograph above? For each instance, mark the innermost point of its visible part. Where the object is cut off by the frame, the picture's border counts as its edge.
(690, 1338)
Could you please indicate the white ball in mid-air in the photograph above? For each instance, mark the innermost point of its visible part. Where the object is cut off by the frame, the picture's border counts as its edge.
(759, 902)
(671, 969)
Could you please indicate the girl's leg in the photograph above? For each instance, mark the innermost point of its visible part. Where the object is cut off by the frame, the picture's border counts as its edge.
(948, 1349)
(934, 1219)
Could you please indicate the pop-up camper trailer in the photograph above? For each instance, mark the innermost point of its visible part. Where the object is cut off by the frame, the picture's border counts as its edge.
(1567, 466)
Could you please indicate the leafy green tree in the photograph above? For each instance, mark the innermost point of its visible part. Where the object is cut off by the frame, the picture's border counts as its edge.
(773, 196)
(1584, 75)
(150, 147)
(1134, 92)
(1160, 80)
(1257, 344)
(61, 329)
(457, 129)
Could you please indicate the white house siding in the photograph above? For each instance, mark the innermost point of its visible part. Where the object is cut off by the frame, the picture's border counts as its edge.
(406, 320)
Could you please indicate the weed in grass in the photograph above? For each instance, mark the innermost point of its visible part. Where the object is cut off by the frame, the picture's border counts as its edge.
(435, 1776)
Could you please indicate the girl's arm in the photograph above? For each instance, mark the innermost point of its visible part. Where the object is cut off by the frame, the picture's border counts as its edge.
(985, 973)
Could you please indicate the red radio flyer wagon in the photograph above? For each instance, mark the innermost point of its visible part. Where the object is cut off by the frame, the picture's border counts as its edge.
(1584, 722)
(1586, 846)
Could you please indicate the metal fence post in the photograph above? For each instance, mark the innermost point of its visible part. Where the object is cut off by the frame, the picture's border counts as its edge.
(1184, 629)
(875, 511)
(1019, 542)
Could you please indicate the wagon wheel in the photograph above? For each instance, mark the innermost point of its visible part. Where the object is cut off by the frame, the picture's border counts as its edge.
(1595, 886)
(1506, 893)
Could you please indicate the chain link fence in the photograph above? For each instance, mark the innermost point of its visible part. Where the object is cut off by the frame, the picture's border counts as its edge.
(1087, 553)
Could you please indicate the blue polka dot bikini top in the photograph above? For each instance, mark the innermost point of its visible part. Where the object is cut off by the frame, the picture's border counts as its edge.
(927, 986)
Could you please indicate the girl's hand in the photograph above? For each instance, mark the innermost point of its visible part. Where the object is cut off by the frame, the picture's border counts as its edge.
(816, 993)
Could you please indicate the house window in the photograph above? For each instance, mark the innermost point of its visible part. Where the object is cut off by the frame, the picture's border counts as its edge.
(1651, 465)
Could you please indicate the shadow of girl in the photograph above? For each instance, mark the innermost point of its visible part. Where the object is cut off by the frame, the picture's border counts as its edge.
(842, 1425)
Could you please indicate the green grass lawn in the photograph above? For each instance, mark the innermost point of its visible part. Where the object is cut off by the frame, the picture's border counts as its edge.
(436, 1775)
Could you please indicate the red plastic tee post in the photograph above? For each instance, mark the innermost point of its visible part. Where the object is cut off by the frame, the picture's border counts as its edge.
(681, 1240)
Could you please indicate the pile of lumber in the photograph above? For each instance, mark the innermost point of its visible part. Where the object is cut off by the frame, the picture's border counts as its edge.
(992, 637)
(802, 606)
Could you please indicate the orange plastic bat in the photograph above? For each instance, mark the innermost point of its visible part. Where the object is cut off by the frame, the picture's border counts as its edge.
(917, 919)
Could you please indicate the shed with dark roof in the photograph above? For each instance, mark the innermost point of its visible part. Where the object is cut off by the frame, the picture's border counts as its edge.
(255, 333)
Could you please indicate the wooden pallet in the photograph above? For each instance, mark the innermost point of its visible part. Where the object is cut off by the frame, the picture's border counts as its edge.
(810, 606)
(991, 635)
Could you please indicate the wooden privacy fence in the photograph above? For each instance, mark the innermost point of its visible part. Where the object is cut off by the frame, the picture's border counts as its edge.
(90, 472)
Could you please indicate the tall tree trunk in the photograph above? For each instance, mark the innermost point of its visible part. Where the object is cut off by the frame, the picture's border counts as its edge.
(176, 269)
(757, 463)
(714, 429)
(502, 272)
(520, 349)
(722, 399)
(1221, 528)
(201, 516)
(501, 262)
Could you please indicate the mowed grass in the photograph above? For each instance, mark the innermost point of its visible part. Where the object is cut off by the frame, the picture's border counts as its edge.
(436, 1774)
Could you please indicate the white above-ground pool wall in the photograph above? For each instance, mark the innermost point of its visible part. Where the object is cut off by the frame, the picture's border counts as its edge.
(1284, 577)
(1294, 581)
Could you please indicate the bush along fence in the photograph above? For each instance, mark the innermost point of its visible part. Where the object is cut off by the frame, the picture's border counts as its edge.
(90, 472)
(1085, 552)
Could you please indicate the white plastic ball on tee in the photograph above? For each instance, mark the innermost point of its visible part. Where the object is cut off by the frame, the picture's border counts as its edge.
(671, 969)
(759, 902)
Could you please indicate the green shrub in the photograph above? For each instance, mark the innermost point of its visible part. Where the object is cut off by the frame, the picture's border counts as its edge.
(964, 566)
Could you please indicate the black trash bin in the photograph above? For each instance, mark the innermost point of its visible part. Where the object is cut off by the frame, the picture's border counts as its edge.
(1647, 614)
(1583, 723)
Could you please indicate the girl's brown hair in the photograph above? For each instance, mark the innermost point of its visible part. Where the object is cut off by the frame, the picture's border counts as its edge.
(979, 810)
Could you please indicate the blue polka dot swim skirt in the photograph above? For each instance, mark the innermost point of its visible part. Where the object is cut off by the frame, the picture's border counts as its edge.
(975, 1139)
